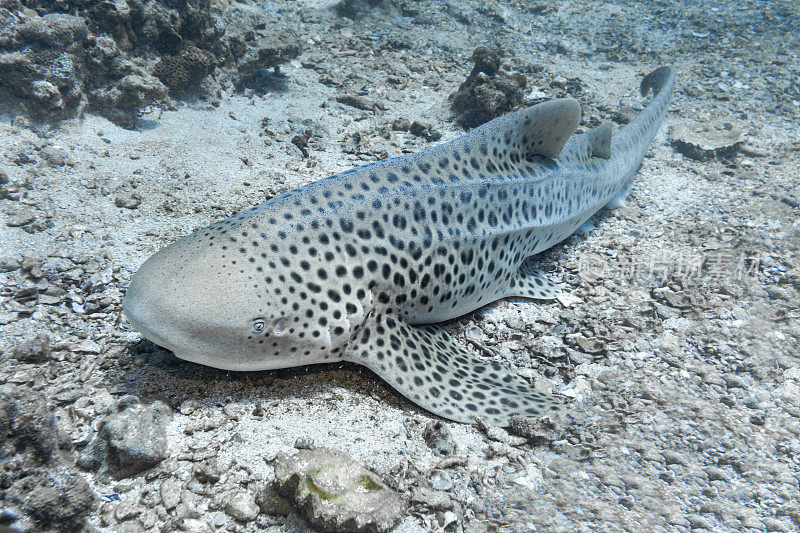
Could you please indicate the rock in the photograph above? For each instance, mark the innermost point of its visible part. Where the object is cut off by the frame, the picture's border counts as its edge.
(426, 131)
(56, 156)
(122, 102)
(27, 425)
(9, 264)
(271, 502)
(55, 498)
(590, 346)
(536, 430)
(441, 480)
(335, 493)
(36, 350)
(129, 440)
(706, 144)
(401, 124)
(354, 9)
(54, 30)
(242, 507)
(128, 201)
(170, 492)
(127, 511)
(22, 218)
(488, 92)
(438, 436)
(273, 48)
(359, 102)
(433, 499)
(189, 67)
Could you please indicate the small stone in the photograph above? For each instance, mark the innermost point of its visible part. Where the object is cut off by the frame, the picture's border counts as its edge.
(777, 293)
(673, 458)
(243, 507)
(335, 493)
(401, 124)
(128, 201)
(359, 102)
(129, 440)
(36, 350)
(426, 131)
(433, 499)
(170, 493)
(304, 443)
(438, 436)
(441, 480)
(9, 264)
(21, 218)
(56, 156)
(716, 474)
(270, 502)
(127, 511)
(590, 346)
(536, 430)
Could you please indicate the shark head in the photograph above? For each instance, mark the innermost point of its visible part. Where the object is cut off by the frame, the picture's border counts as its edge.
(227, 297)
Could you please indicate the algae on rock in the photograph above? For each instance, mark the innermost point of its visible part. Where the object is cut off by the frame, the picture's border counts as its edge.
(335, 493)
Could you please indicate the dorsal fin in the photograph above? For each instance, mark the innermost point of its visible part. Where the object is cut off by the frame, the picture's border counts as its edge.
(542, 129)
(600, 140)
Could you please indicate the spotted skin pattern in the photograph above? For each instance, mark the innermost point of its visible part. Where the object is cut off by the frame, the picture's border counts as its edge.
(358, 266)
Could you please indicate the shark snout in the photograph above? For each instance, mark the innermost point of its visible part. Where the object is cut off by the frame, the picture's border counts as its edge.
(148, 304)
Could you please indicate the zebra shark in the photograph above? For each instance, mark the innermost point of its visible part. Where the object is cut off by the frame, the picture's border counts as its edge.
(360, 266)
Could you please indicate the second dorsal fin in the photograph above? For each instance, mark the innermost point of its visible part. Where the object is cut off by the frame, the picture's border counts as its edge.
(600, 141)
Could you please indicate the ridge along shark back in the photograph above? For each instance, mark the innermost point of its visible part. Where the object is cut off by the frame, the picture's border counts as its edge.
(361, 265)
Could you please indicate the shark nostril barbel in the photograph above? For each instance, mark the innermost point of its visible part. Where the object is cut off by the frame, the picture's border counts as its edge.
(362, 265)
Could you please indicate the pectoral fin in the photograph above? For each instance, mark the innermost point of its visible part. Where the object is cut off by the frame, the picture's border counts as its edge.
(532, 283)
(429, 368)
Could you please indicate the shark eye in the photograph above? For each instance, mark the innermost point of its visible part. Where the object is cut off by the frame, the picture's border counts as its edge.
(259, 326)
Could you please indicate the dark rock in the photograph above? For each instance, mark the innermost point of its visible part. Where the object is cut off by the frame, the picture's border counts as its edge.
(301, 141)
(438, 436)
(432, 499)
(401, 124)
(271, 502)
(335, 493)
(121, 103)
(189, 67)
(130, 440)
(706, 144)
(96, 57)
(27, 426)
(128, 201)
(54, 30)
(536, 430)
(354, 9)
(272, 49)
(36, 350)
(426, 131)
(55, 498)
(359, 102)
(488, 91)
